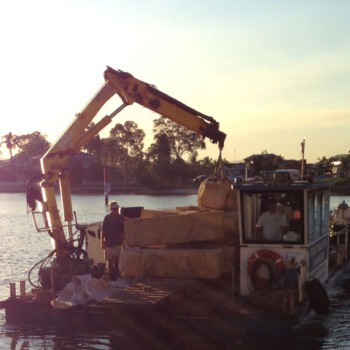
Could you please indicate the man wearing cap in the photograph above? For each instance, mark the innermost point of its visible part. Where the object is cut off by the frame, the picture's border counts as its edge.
(272, 224)
(112, 238)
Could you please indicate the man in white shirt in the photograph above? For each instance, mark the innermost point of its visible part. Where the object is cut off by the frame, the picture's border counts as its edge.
(272, 224)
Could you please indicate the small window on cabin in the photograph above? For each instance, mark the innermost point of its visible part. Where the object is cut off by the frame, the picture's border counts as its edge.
(273, 217)
(325, 212)
(318, 205)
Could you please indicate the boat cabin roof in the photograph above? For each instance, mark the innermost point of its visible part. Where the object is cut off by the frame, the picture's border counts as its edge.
(280, 187)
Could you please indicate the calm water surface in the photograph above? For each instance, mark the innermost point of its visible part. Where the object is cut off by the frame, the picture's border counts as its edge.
(21, 247)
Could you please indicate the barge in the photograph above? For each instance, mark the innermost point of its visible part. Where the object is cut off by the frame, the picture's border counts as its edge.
(216, 267)
(240, 283)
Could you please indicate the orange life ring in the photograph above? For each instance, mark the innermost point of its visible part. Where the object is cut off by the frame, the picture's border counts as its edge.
(273, 263)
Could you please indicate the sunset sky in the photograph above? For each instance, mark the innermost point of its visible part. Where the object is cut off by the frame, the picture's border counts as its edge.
(271, 72)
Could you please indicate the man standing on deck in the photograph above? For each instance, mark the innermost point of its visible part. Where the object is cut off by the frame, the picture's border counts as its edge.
(112, 239)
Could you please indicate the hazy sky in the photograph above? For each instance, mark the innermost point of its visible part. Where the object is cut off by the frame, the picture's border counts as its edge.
(272, 72)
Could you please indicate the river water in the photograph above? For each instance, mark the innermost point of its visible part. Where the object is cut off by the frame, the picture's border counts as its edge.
(21, 247)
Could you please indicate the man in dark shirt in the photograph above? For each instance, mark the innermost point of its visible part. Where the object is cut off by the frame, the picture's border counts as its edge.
(112, 239)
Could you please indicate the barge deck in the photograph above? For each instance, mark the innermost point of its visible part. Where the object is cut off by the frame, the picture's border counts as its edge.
(139, 300)
(162, 305)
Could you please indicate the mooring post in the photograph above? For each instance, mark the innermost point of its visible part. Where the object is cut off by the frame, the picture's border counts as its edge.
(22, 288)
(12, 290)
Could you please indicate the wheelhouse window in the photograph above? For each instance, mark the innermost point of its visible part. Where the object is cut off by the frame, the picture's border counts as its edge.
(273, 217)
(318, 205)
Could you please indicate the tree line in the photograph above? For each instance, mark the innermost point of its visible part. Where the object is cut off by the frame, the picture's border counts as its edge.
(171, 160)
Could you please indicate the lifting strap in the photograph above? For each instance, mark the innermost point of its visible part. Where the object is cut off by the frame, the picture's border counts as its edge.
(219, 167)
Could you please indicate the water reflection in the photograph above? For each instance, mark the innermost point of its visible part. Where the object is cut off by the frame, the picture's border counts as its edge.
(23, 338)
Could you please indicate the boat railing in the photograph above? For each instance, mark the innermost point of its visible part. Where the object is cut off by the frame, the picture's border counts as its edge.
(41, 224)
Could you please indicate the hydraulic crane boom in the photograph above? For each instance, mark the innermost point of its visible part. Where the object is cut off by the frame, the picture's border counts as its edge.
(130, 90)
(133, 90)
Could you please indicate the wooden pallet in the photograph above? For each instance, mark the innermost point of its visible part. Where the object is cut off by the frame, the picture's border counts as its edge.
(149, 293)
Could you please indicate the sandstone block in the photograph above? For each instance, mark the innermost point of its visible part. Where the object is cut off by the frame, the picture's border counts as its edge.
(184, 227)
(176, 263)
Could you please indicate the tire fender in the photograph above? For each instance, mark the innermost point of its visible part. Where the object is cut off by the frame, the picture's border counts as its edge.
(317, 296)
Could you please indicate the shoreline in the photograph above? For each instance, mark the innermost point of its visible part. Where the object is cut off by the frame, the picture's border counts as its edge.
(163, 192)
(13, 187)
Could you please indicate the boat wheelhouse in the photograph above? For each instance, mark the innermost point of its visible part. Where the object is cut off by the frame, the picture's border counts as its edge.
(303, 248)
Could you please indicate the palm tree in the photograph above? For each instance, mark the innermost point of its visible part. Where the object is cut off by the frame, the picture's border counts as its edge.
(9, 141)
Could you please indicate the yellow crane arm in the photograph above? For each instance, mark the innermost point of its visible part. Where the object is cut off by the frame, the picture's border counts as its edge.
(77, 135)
(132, 90)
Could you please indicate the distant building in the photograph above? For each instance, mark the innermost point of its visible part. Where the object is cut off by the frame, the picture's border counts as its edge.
(291, 164)
(256, 163)
(234, 170)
